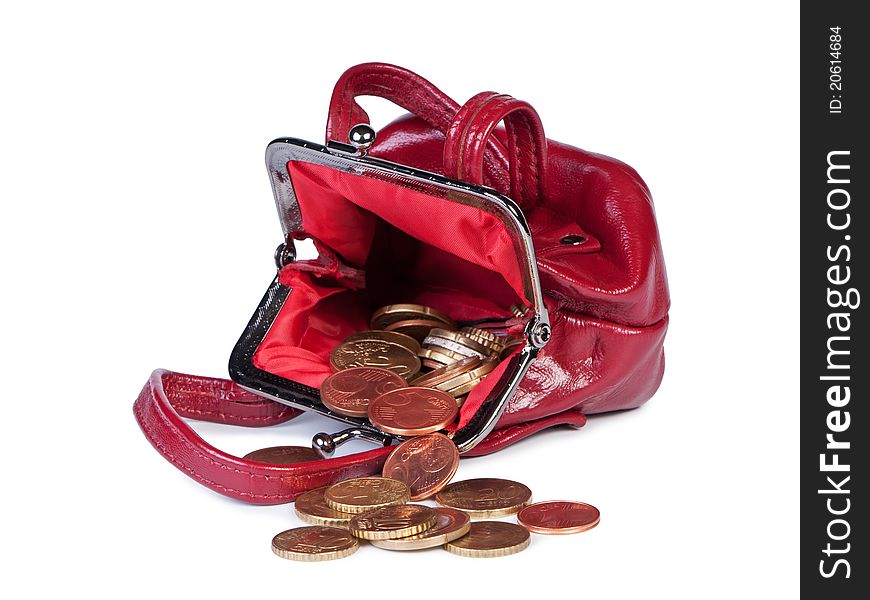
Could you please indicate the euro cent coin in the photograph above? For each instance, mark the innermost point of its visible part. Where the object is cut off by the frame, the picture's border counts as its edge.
(389, 522)
(350, 391)
(426, 464)
(450, 524)
(375, 353)
(283, 455)
(485, 498)
(413, 411)
(312, 508)
(314, 543)
(365, 493)
(383, 317)
(488, 539)
(559, 517)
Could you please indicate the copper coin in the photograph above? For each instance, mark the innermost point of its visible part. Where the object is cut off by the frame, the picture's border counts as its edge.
(413, 411)
(392, 337)
(312, 508)
(404, 312)
(349, 392)
(446, 372)
(391, 522)
(450, 524)
(426, 464)
(485, 498)
(283, 455)
(416, 328)
(464, 388)
(375, 353)
(559, 517)
(365, 493)
(314, 543)
(487, 539)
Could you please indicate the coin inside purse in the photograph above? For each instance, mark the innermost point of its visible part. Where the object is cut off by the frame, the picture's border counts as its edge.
(410, 244)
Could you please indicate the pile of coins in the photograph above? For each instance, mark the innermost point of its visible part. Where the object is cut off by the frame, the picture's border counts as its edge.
(411, 372)
(376, 509)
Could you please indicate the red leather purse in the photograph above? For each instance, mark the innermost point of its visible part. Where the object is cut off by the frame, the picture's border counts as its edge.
(444, 208)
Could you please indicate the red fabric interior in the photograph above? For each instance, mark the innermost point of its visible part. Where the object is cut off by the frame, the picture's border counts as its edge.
(411, 247)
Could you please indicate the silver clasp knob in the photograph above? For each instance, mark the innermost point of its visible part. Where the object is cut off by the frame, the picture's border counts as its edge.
(361, 137)
(325, 444)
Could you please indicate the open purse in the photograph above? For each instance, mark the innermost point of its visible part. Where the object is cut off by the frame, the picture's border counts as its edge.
(443, 208)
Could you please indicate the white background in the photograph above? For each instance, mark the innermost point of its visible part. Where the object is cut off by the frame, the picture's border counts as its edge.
(138, 228)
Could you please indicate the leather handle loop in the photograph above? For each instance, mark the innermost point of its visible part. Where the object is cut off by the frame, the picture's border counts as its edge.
(472, 129)
(167, 397)
(413, 93)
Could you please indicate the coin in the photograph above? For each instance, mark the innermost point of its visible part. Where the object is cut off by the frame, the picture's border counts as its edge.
(364, 493)
(349, 392)
(391, 522)
(481, 333)
(446, 372)
(559, 517)
(487, 539)
(375, 353)
(404, 312)
(312, 508)
(465, 343)
(416, 328)
(464, 388)
(486, 367)
(314, 543)
(511, 344)
(450, 524)
(435, 359)
(392, 337)
(412, 411)
(283, 455)
(485, 498)
(426, 464)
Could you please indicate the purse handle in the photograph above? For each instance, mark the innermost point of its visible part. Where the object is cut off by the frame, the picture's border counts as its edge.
(471, 131)
(168, 396)
(411, 92)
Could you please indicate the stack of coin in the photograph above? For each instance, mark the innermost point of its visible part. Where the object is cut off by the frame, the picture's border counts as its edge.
(377, 509)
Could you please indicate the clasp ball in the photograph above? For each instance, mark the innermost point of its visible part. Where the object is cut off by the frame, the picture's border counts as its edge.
(361, 136)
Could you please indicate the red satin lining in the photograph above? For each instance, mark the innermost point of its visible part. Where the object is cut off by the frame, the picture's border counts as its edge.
(412, 247)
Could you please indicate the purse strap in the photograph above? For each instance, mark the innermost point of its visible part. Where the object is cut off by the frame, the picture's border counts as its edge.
(168, 396)
(471, 131)
(413, 93)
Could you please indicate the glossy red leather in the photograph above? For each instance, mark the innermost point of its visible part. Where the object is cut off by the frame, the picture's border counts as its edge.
(607, 295)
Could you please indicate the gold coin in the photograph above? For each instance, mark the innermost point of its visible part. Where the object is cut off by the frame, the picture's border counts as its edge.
(485, 498)
(486, 367)
(488, 539)
(393, 337)
(512, 343)
(389, 522)
(481, 333)
(416, 328)
(314, 543)
(446, 372)
(441, 355)
(312, 508)
(466, 347)
(392, 313)
(365, 493)
(450, 524)
(464, 388)
(375, 353)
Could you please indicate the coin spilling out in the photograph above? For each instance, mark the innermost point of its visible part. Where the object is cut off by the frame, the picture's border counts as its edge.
(485, 498)
(426, 464)
(446, 372)
(558, 517)
(488, 539)
(311, 507)
(389, 522)
(350, 391)
(314, 543)
(365, 493)
(450, 524)
(413, 411)
(283, 455)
